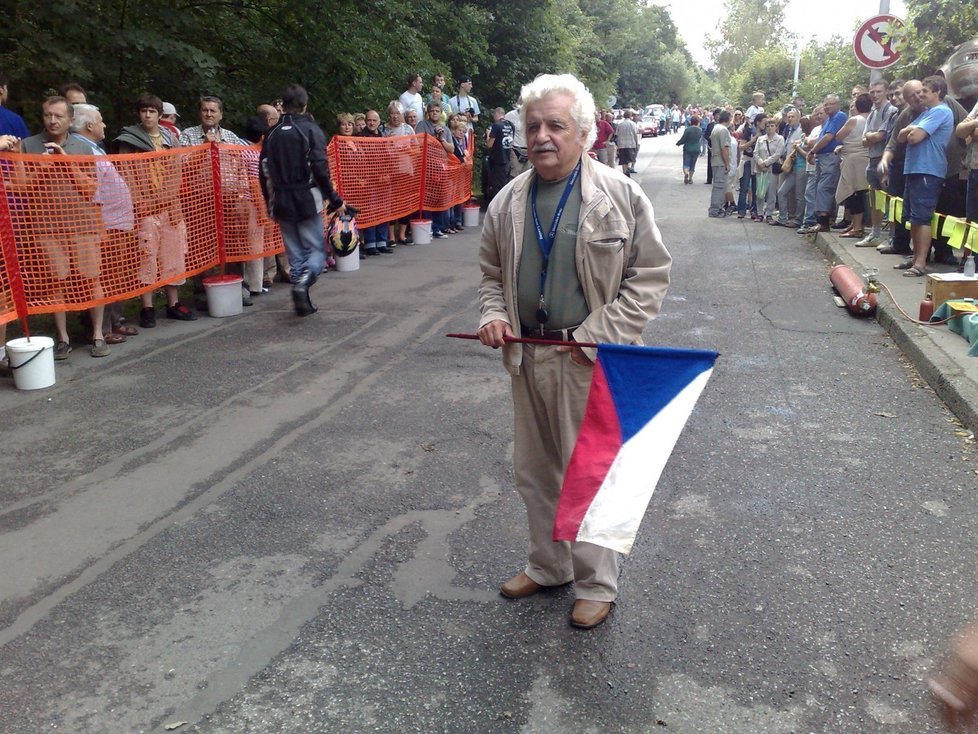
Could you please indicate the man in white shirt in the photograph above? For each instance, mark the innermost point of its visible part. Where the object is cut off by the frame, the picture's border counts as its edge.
(410, 98)
(518, 158)
(465, 104)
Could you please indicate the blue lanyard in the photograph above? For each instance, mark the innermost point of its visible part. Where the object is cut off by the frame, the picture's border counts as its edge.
(546, 243)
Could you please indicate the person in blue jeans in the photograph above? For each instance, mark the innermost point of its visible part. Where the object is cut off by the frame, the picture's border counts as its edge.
(691, 142)
(295, 182)
(748, 181)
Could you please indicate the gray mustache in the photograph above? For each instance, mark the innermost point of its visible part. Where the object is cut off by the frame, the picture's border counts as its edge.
(544, 149)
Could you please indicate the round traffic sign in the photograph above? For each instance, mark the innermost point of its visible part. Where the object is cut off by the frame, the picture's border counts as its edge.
(878, 41)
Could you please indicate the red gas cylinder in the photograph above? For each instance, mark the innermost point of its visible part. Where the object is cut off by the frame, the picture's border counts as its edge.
(926, 308)
(852, 289)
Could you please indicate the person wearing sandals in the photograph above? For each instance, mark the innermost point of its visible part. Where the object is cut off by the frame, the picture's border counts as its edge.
(853, 160)
(925, 165)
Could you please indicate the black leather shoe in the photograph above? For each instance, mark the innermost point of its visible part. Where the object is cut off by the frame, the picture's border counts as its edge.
(386, 250)
(300, 295)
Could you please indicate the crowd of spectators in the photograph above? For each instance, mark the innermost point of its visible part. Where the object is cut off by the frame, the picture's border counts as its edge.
(147, 215)
(909, 139)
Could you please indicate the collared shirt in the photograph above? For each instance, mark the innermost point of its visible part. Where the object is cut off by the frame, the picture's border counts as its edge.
(195, 136)
(832, 125)
(112, 192)
(427, 126)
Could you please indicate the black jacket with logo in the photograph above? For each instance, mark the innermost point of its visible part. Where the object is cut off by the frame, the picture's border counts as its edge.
(292, 164)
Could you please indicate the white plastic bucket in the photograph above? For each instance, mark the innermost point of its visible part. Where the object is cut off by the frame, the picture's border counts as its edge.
(224, 295)
(349, 262)
(32, 362)
(470, 216)
(421, 231)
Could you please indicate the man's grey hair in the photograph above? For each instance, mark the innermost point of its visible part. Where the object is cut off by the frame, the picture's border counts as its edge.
(395, 105)
(832, 98)
(582, 106)
(83, 115)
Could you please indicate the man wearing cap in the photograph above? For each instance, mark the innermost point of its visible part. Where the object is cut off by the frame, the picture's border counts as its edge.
(570, 252)
(465, 104)
(169, 119)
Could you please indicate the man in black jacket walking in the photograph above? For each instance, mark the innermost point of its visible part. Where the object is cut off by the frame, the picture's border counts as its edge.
(295, 182)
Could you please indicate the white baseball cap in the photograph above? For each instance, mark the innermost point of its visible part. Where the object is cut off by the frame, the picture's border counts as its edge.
(169, 109)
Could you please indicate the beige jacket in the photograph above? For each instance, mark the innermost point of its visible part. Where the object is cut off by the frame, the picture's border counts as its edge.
(621, 261)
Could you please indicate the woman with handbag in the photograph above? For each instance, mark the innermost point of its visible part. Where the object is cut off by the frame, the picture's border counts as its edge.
(767, 167)
(791, 192)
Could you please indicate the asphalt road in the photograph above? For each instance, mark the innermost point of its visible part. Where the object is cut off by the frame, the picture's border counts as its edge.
(266, 524)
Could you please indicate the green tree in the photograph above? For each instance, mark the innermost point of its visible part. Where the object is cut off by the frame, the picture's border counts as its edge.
(654, 64)
(748, 26)
(829, 67)
(769, 70)
(935, 27)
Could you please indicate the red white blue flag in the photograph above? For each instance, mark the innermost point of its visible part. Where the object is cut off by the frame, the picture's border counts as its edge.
(639, 401)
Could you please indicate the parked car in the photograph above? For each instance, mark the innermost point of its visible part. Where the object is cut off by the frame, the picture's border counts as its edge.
(655, 110)
(649, 127)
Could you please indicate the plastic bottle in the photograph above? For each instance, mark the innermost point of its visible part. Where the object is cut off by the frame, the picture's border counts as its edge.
(969, 266)
(926, 308)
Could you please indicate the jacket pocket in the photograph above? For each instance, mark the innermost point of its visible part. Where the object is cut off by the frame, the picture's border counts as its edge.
(604, 264)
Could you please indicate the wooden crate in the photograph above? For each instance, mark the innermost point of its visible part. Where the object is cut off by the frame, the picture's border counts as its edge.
(946, 286)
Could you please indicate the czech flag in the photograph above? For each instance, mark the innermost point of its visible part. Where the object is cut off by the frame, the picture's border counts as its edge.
(639, 401)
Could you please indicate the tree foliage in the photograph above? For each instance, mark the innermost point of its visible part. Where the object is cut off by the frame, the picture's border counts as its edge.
(829, 68)
(748, 26)
(769, 70)
(349, 54)
(935, 27)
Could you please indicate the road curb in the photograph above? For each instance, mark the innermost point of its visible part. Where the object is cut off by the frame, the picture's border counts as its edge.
(943, 371)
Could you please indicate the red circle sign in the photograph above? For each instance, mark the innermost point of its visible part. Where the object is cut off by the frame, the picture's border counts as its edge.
(878, 41)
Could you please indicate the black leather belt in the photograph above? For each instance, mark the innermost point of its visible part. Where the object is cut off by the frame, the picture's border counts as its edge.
(555, 335)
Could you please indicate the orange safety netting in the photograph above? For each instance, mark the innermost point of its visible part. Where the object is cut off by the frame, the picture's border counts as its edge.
(390, 178)
(77, 231)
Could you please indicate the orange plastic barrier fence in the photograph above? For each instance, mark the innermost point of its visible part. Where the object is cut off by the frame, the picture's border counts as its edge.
(77, 231)
(390, 178)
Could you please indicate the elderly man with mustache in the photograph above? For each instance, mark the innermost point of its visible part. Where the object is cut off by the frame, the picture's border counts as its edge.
(570, 251)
